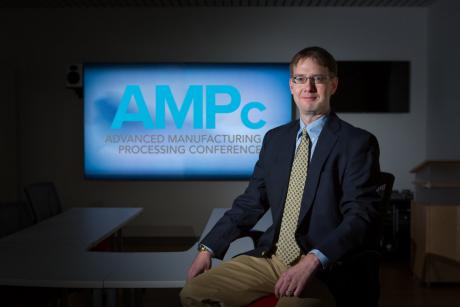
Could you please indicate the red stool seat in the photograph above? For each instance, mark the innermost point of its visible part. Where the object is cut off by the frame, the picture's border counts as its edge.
(265, 301)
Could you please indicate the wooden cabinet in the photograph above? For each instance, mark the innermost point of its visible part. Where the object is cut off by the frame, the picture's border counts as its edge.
(435, 222)
(435, 236)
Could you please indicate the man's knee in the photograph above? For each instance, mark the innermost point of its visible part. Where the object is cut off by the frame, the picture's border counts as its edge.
(188, 294)
(184, 293)
(195, 293)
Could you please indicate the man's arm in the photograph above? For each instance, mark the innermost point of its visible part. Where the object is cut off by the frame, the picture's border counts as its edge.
(244, 214)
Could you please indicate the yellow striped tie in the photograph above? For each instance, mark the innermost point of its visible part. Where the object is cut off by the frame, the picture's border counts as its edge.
(287, 248)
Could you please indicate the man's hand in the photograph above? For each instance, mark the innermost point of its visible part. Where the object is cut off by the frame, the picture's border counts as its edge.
(294, 280)
(201, 264)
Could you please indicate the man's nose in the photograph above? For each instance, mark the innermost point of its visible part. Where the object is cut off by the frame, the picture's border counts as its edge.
(310, 85)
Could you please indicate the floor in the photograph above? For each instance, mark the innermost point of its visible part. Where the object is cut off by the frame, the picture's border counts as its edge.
(399, 287)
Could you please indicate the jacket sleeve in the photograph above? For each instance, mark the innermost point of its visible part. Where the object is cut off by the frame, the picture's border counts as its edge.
(246, 210)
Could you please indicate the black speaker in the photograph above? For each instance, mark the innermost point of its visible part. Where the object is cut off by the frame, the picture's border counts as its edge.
(74, 76)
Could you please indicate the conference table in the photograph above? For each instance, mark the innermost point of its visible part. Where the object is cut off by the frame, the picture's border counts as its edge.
(168, 269)
(56, 253)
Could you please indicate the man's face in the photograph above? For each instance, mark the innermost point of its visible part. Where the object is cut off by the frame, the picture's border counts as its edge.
(312, 98)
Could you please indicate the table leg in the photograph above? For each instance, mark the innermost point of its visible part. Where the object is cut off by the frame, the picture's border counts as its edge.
(133, 297)
(110, 297)
(98, 297)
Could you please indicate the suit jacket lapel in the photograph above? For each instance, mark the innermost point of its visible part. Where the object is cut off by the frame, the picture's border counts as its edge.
(326, 142)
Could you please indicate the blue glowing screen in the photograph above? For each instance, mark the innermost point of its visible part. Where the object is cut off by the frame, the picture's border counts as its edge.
(180, 121)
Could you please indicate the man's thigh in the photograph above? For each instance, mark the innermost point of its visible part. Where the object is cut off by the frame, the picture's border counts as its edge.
(242, 280)
(236, 282)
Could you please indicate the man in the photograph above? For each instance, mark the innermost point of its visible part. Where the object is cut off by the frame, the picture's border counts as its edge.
(318, 175)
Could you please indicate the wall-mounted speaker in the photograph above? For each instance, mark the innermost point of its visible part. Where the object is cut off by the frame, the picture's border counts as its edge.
(74, 76)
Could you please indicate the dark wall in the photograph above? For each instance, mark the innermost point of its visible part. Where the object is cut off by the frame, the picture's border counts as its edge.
(41, 44)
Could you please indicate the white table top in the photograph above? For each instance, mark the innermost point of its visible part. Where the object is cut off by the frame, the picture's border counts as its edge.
(54, 253)
(82, 226)
(169, 270)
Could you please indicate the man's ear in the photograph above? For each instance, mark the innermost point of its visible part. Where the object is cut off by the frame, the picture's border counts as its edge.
(291, 85)
(334, 84)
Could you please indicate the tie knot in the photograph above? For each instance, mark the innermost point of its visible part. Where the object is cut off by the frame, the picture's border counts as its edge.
(305, 135)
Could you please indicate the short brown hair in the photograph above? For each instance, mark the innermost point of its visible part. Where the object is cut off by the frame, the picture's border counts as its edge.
(320, 55)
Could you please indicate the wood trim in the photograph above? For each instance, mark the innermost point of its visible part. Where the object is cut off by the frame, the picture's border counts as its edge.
(428, 184)
(426, 163)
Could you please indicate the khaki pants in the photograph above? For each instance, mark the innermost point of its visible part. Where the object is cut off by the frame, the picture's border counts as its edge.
(242, 280)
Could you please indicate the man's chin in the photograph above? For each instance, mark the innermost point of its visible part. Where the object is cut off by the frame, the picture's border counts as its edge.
(310, 112)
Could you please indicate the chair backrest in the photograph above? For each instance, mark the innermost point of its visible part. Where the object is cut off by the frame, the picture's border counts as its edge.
(386, 187)
(43, 199)
(14, 216)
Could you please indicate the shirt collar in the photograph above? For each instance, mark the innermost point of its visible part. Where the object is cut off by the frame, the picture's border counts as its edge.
(314, 128)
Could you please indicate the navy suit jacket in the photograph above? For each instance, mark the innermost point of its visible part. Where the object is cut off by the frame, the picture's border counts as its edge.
(340, 205)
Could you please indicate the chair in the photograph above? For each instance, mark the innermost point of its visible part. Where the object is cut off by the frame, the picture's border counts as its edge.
(385, 188)
(14, 216)
(362, 287)
(44, 200)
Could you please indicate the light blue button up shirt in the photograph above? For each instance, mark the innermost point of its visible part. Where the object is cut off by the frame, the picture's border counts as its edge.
(314, 130)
